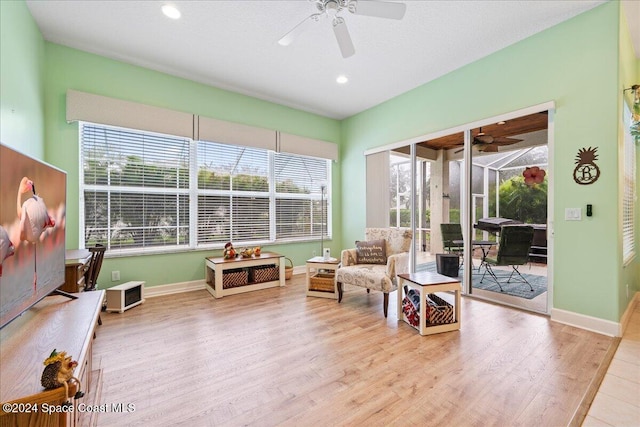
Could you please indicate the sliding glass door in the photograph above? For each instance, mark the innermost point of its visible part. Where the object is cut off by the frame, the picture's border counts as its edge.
(479, 181)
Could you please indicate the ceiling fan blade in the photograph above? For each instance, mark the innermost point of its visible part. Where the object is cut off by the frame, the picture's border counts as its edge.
(343, 37)
(479, 147)
(506, 141)
(488, 148)
(288, 38)
(380, 9)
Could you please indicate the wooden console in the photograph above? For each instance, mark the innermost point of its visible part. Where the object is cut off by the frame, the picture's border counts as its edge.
(57, 323)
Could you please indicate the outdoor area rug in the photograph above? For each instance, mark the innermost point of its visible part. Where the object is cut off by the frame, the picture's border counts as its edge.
(517, 289)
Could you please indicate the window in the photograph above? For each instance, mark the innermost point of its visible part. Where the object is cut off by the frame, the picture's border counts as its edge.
(301, 201)
(629, 191)
(147, 192)
(135, 188)
(233, 194)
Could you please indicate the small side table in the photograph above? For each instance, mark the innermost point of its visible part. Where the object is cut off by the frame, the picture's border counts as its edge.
(321, 277)
(427, 282)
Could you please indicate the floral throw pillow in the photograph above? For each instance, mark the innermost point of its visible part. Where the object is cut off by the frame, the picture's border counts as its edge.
(371, 252)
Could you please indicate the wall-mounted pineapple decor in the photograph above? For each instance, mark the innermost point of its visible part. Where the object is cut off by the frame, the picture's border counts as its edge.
(586, 171)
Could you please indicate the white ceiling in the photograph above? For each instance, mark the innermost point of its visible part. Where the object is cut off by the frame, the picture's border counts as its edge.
(233, 44)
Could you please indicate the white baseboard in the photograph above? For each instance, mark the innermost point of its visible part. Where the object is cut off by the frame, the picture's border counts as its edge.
(173, 288)
(601, 326)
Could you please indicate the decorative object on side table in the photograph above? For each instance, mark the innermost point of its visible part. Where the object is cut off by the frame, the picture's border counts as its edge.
(229, 251)
(58, 372)
(246, 253)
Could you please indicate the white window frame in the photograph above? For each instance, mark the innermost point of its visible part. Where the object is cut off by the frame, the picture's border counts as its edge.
(193, 192)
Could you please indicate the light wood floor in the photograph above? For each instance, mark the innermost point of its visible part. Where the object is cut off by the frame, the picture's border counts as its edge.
(277, 357)
(617, 402)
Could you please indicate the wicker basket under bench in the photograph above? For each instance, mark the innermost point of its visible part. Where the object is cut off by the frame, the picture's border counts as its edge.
(233, 276)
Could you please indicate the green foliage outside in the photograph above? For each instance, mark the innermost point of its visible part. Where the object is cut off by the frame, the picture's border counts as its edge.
(405, 218)
(165, 222)
(454, 216)
(517, 201)
(522, 202)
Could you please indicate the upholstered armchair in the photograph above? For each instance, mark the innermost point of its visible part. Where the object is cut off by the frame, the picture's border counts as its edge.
(370, 267)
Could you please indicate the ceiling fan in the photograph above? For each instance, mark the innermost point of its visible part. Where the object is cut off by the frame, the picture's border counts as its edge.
(489, 144)
(332, 10)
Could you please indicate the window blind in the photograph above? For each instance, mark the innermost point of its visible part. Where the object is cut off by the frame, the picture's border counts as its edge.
(233, 193)
(301, 209)
(146, 192)
(629, 191)
(135, 188)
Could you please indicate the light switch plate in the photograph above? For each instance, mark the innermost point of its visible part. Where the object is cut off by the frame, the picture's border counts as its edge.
(573, 214)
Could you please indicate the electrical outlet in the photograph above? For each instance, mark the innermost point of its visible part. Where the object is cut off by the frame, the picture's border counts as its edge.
(115, 276)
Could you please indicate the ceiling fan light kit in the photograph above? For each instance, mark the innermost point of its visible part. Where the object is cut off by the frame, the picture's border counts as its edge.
(332, 10)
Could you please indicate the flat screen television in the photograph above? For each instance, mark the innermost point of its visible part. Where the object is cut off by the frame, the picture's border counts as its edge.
(32, 231)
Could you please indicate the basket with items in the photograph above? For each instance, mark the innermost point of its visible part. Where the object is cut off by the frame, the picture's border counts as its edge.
(438, 311)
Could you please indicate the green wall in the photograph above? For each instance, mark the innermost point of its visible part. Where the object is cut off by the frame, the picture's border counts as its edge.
(573, 64)
(21, 83)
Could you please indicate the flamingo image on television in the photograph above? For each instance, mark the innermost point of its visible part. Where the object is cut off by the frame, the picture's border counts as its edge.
(32, 231)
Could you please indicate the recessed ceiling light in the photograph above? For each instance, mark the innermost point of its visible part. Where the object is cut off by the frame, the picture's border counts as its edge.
(171, 11)
(342, 79)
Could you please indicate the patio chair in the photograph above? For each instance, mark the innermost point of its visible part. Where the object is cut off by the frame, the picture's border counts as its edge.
(450, 233)
(513, 250)
(375, 271)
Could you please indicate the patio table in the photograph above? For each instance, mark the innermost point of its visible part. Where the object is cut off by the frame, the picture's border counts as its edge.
(484, 245)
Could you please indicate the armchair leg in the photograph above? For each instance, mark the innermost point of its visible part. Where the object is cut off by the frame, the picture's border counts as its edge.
(368, 290)
(339, 291)
(385, 303)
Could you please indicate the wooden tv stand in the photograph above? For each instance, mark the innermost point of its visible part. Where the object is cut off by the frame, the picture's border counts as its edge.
(56, 322)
